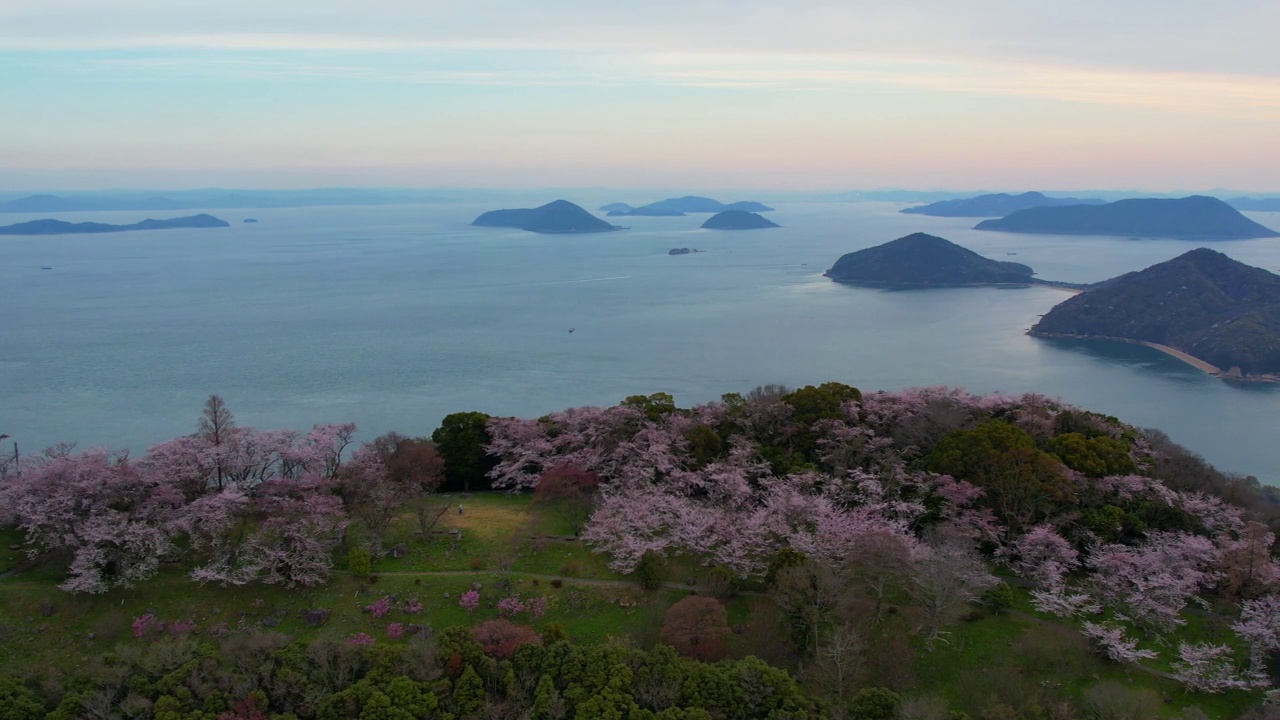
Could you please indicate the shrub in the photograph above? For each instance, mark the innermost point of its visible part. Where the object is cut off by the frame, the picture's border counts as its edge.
(874, 704)
(999, 597)
(379, 608)
(696, 626)
(501, 638)
(470, 600)
(724, 583)
(359, 561)
(651, 571)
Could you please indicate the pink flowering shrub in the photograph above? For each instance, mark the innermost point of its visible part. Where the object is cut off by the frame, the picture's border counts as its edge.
(379, 608)
(395, 630)
(360, 640)
(536, 607)
(510, 606)
(181, 627)
(469, 601)
(146, 625)
(412, 606)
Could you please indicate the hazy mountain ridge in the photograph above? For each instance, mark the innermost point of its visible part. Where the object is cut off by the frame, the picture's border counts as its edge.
(1191, 218)
(674, 207)
(994, 205)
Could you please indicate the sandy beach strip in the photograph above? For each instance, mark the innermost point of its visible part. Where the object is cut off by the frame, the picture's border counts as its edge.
(1188, 359)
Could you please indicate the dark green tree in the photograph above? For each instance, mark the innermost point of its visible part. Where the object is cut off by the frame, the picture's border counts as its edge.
(461, 440)
(468, 694)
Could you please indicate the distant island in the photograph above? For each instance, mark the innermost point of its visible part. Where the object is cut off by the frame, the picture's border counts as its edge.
(683, 251)
(920, 260)
(646, 211)
(173, 200)
(674, 207)
(1269, 204)
(1191, 218)
(559, 216)
(995, 205)
(250, 220)
(738, 220)
(1218, 314)
(60, 227)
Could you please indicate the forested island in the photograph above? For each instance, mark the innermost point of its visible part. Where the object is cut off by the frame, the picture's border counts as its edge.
(1191, 218)
(60, 227)
(558, 216)
(1201, 303)
(922, 260)
(738, 220)
(821, 552)
(994, 205)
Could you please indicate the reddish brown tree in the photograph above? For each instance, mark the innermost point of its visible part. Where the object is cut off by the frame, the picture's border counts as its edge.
(501, 638)
(697, 627)
(570, 492)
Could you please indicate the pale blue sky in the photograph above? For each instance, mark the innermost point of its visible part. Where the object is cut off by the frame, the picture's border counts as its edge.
(993, 93)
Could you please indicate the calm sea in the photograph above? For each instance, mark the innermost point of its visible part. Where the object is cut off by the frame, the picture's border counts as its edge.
(393, 317)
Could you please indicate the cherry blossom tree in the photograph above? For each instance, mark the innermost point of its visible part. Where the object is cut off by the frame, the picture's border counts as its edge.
(1208, 668)
(1111, 639)
(1042, 555)
(1259, 628)
(116, 522)
(295, 525)
(1151, 583)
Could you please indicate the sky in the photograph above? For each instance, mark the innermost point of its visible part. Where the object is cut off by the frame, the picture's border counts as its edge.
(1158, 95)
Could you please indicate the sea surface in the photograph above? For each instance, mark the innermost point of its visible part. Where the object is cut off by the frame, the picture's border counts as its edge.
(392, 317)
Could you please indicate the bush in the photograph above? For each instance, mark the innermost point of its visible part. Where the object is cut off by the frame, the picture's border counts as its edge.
(999, 597)
(697, 627)
(724, 583)
(651, 571)
(359, 561)
(500, 638)
(874, 704)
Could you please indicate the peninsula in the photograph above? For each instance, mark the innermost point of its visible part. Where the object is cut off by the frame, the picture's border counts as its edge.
(1201, 304)
(559, 216)
(1191, 218)
(60, 227)
(738, 220)
(920, 260)
(994, 205)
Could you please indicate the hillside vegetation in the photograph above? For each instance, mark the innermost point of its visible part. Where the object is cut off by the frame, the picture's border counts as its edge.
(884, 555)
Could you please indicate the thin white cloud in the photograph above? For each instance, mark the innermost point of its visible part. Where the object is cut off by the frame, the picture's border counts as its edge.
(493, 63)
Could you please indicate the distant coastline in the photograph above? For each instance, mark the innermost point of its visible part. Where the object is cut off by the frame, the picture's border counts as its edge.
(1187, 358)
